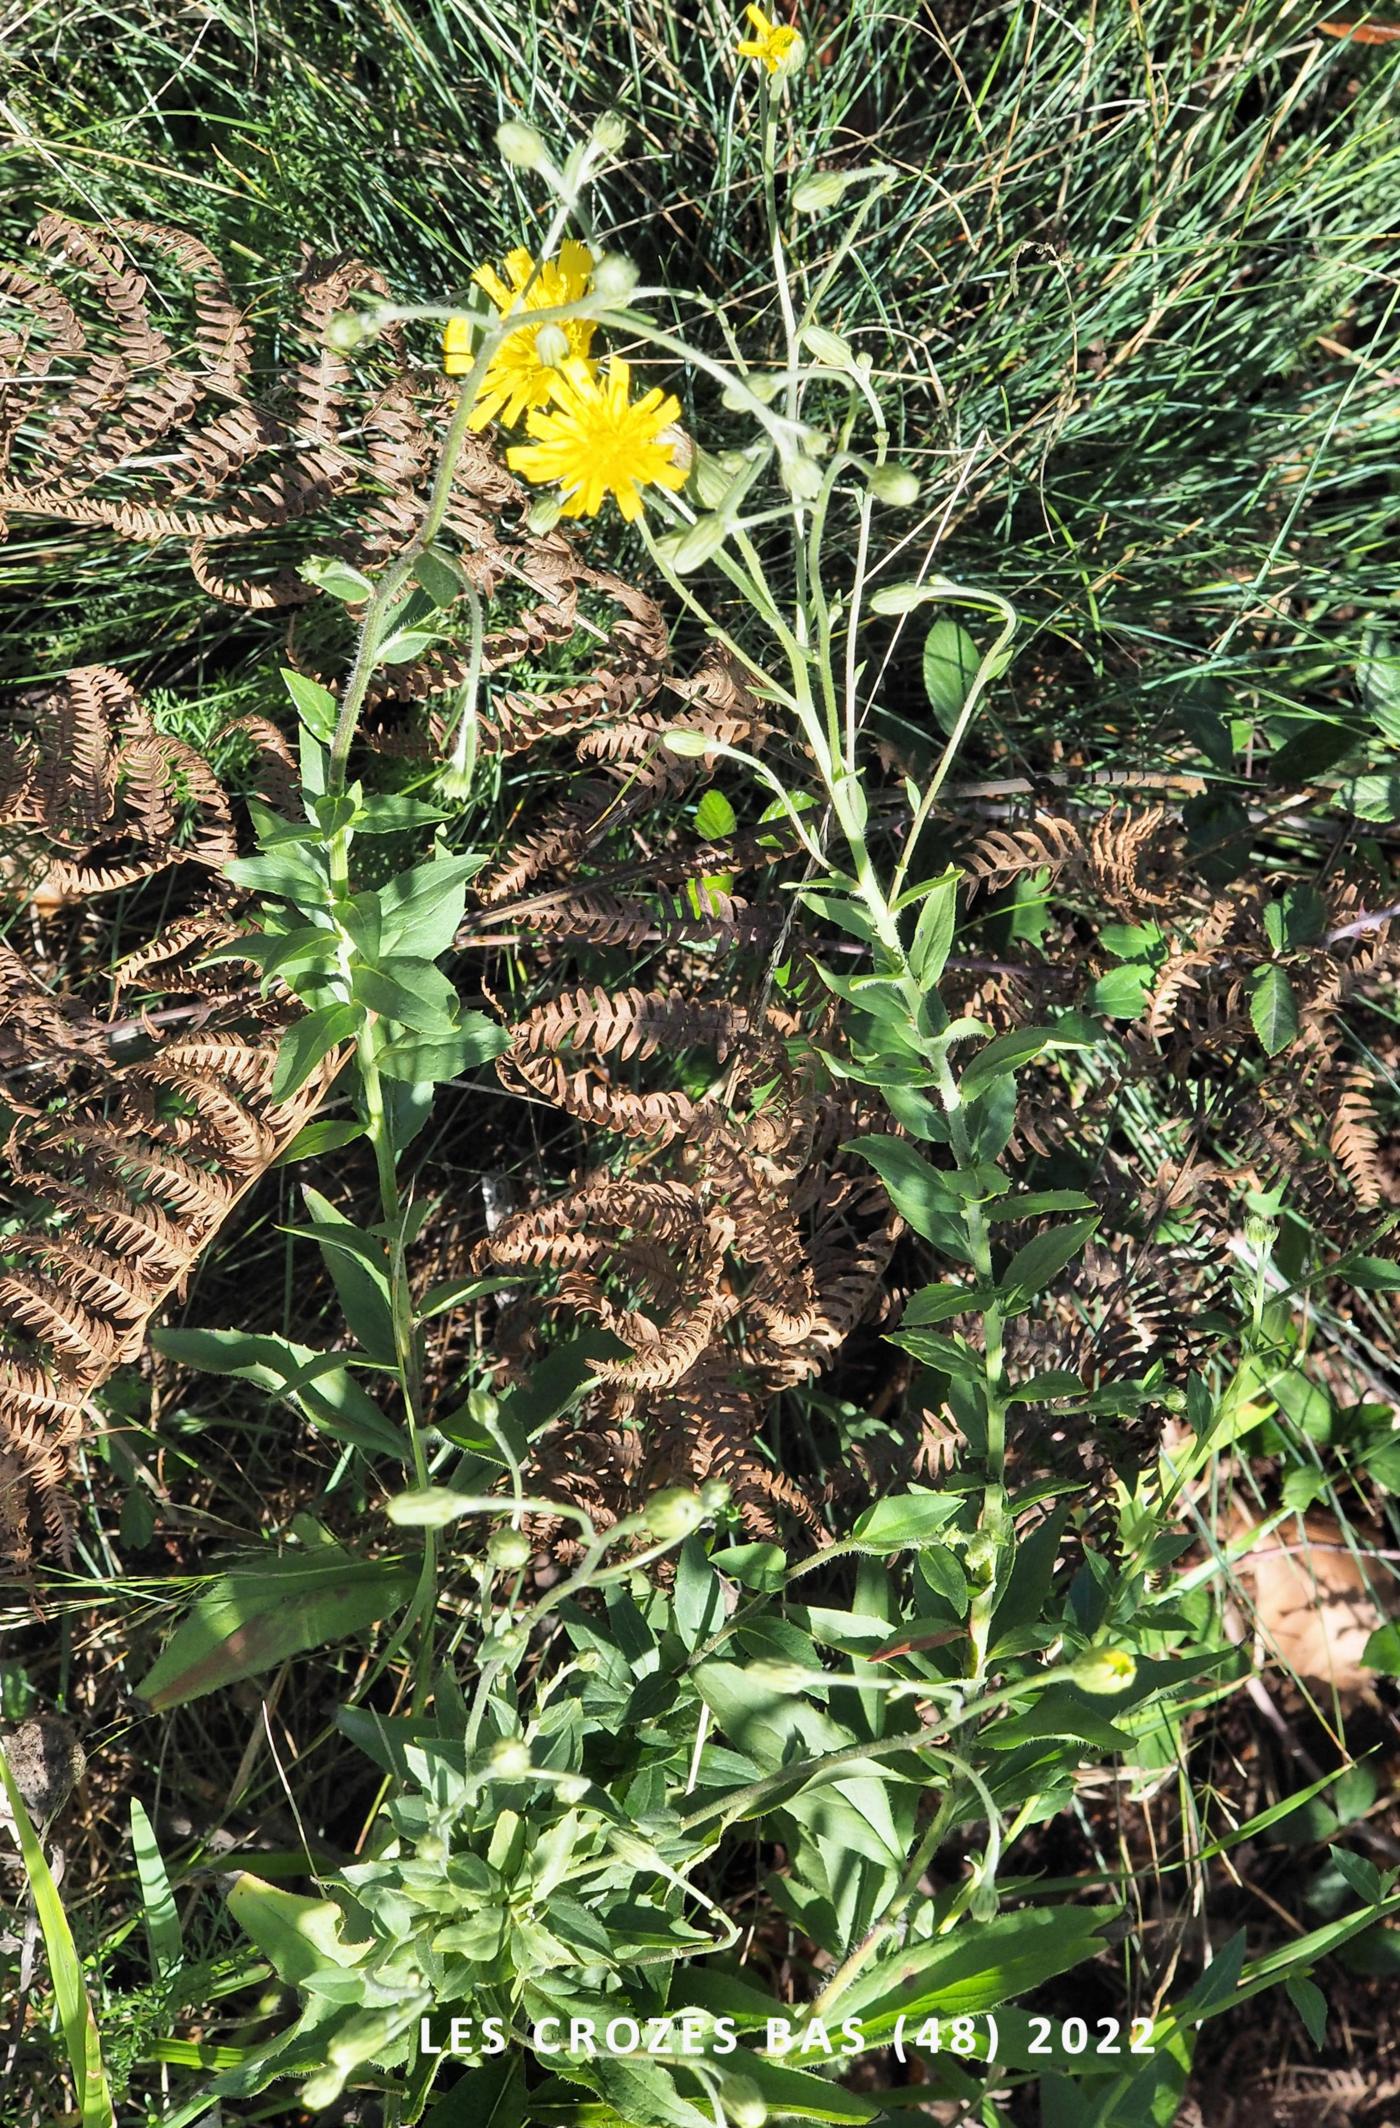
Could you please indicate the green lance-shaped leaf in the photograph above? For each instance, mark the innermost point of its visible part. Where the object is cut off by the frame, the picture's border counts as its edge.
(951, 660)
(256, 1615)
(1044, 1257)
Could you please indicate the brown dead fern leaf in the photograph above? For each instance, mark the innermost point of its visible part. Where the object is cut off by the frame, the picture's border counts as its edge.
(124, 1166)
(1355, 1139)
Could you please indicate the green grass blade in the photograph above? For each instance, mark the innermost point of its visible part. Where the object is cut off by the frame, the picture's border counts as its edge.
(157, 1898)
(65, 1967)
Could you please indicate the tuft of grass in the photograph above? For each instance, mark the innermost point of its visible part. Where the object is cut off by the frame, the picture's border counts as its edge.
(1135, 281)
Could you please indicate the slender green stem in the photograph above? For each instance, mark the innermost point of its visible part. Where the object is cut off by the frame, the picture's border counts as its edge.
(749, 1800)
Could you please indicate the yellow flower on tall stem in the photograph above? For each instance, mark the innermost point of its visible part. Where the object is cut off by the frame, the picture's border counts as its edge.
(774, 44)
(595, 442)
(522, 372)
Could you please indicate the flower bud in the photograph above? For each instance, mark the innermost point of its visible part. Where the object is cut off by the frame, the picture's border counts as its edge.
(828, 347)
(509, 1549)
(902, 598)
(673, 1514)
(802, 477)
(507, 1646)
(980, 1555)
(811, 195)
(345, 331)
(614, 277)
(716, 474)
(982, 1906)
(690, 745)
(821, 189)
(322, 2089)
(781, 1677)
(744, 2104)
(714, 1496)
(697, 543)
(520, 144)
(364, 2037)
(610, 133)
(544, 513)
(1104, 1670)
(764, 385)
(896, 485)
(552, 345)
(510, 1760)
(428, 1507)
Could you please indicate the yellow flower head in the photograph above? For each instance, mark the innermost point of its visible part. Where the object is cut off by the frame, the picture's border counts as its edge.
(522, 372)
(774, 44)
(595, 442)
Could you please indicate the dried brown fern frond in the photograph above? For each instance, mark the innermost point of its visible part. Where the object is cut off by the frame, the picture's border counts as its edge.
(167, 431)
(1355, 1139)
(102, 799)
(1120, 847)
(123, 1184)
(119, 1215)
(1004, 855)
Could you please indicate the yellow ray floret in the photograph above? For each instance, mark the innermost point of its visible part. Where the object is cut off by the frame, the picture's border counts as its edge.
(595, 442)
(520, 374)
(773, 44)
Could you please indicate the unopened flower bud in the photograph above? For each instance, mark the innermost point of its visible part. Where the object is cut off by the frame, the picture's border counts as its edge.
(610, 133)
(802, 477)
(1104, 1670)
(510, 1761)
(715, 476)
(780, 1677)
(552, 345)
(896, 485)
(544, 513)
(363, 2038)
(1260, 1233)
(982, 1906)
(697, 543)
(520, 144)
(345, 331)
(614, 277)
(509, 1549)
(828, 347)
(743, 2102)
(821, 189)
(673, 1514)
(507, 1646)
(714, 1495)
(811, 195)
(980, 1555)
(322, 2089)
